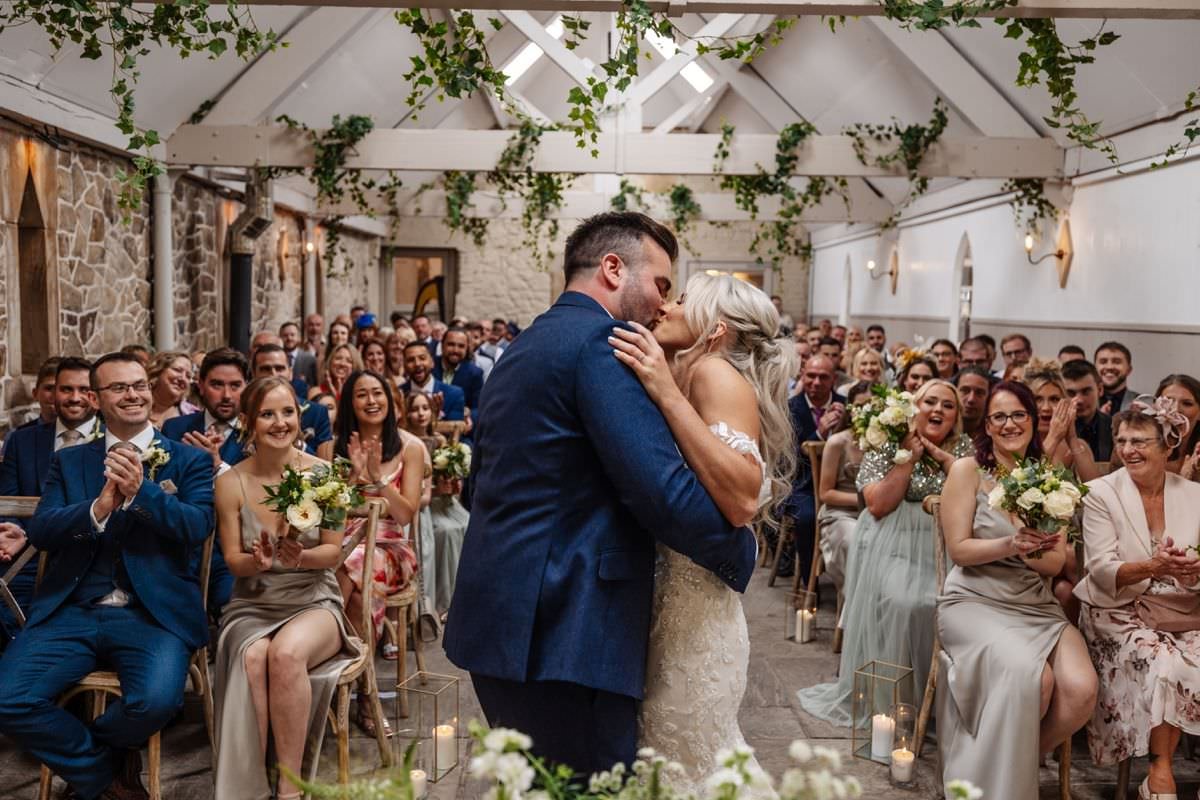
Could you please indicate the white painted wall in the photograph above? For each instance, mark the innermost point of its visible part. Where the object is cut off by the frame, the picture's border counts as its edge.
(1135, 276)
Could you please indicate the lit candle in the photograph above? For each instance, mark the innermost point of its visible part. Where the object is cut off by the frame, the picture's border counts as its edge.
(804, 625)
(418, 778)
(447, 752)
(902, 765)
(883, 728)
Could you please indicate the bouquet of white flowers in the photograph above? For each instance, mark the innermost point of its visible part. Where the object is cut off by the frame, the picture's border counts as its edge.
(319, 496)
(886, 418)
(1042, 495)
(452, 460)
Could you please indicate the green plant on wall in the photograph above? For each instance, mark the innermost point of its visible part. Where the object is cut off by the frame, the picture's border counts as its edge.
(1029, 204)
(685, 212)
(628, 197)
(541, 193)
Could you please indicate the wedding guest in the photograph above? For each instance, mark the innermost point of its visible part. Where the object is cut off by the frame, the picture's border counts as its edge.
(456, 369)
(316, 428)
(877, 339)
(867, 368)
(891, 583)
(814, 337)
(989, 344)
(1016, 349)
(817, 412)
(974, 384)
(786, 323)
(356, 313)
(366, 329)
(327, 400)
(140, 352)
(419, 421)
(314, 337)
(854, 335)
(1114, 362)
(1071, 352)
(374, 356)
(1093, 425)
(117, 594)
(836, 488)
(476, 337)
(1185, 391)
(825, 326)
(436, 331)
(974, 353)
(339, 333)
(945, 355)
(284, 640)
(496, 342)
(423, 329)
(44, 393)
(418, 365)
(1140, 598)
(303, 363)
(342, 360)
(170, 376)
(839, 333)
(26, 462)
(1056, 432)
(1041, 678)
(915, 371)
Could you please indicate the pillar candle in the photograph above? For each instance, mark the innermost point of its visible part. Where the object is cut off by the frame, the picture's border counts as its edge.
(902, 765)
(883, 728)
(447, 751)
(419, 782)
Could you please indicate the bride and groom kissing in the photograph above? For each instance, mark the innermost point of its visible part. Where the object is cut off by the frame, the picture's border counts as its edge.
(616, 470)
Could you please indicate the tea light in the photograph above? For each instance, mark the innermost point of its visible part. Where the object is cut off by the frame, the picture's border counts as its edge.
(902, 765)
(883, 729)
(419, 782)
(804, 625)
(447, 751)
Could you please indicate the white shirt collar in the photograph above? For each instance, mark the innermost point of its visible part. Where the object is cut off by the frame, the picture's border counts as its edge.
(210, 421)
(142, 440)
(428, 385)
(85, 428)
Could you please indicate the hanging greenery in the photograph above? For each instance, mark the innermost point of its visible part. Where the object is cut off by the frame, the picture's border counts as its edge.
(1029, 204)
(1191, 132)
(785, 235)
(541, 193)
(336, 183)
(628, 197)
(127, 31)
(911, 143)
(459, 186)
(685, 211)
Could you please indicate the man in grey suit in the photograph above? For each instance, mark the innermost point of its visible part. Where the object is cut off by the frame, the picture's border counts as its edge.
(303, 363)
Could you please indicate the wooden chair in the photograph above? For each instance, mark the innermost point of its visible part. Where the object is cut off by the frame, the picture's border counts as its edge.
(933, 506)
(362, 667)
(787, 534)
(405, 606)
(16, 508)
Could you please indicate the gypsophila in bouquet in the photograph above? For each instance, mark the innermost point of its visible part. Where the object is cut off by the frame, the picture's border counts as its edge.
(963, 790)
(1043, 495)
(886, 419)
(321, 496)
(452, 460)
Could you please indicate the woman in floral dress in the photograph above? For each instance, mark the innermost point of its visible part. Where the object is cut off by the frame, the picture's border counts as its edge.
(1139, 524)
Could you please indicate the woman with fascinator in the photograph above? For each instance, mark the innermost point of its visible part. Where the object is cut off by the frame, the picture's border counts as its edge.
(1141, 596)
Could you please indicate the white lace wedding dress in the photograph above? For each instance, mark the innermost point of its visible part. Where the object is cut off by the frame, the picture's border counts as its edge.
(697, 659)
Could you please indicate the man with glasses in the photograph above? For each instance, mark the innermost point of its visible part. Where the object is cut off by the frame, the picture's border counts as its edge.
(122, 515)
(974, 353)
(1091, 424)
(1016, 350)
(945, 355)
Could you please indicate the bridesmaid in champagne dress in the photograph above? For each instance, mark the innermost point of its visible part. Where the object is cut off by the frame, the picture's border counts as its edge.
(1019, 680)
(284, 640)
(838, 492)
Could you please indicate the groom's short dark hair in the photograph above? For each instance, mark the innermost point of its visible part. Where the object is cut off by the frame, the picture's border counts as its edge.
(619, 232)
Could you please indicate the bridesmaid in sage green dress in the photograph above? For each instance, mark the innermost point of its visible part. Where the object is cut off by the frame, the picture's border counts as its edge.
(891, 584)
(1018, 678)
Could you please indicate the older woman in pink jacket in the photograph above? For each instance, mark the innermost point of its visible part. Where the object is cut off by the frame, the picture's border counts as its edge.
(1141, 596)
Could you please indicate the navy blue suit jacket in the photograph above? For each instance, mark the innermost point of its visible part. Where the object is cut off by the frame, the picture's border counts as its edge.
(176, 427)
(314, 417)
(576, 475)
(26, 461)
(806, 431)
(157, 534)
(453, 399)
(467, 377)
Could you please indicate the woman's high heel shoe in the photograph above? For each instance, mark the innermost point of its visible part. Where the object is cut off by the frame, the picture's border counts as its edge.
(1144, 793)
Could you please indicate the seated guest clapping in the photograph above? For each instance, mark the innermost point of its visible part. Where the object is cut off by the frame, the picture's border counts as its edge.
(836, 488)
(120, 517)
(1185, 391)
(284, 640)
(1056, 417)
(1018, 678)
(1141, 612)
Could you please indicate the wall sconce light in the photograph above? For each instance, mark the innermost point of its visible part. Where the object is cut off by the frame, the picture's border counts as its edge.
(893, 270)
(1064, 252)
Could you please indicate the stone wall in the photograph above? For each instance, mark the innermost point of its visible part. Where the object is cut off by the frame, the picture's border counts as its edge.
(198, 250)
(353, 279)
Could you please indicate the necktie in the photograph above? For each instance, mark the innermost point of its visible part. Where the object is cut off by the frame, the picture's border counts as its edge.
(219, 429)
(71, 437)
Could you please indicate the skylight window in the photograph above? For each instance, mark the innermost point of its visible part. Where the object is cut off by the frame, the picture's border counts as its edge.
(530, 53)
(693, 73)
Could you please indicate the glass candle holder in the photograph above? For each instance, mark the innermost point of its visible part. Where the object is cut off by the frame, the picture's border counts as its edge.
(800, 617)
(879, 689)
(904, 756)
(431, 725)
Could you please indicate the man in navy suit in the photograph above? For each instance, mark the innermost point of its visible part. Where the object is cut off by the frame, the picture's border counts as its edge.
(576, 476)
(118, 592)
(454, 368)
(817, 412)
(27, 460)
(418, 366)
(270, 360)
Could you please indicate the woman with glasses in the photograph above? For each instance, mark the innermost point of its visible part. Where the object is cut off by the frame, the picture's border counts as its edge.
(1141, 607)
(1019, 681)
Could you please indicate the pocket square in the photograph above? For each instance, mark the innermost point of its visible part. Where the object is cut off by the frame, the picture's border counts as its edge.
(168, 486)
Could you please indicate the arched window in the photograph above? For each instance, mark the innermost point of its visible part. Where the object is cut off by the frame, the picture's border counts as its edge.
(32, 273)
(847, 292)
(964, 280)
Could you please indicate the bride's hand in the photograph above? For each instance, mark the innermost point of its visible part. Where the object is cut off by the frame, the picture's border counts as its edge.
(638, 350)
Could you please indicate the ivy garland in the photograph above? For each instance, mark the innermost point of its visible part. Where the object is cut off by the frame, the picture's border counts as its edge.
(1191, 132)
(127, 30)
(685, 211)
(911, 142)
(541, 192)
(628, 197)
(1029, 204)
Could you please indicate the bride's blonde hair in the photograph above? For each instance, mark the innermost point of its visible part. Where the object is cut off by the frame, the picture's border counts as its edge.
(753, 347)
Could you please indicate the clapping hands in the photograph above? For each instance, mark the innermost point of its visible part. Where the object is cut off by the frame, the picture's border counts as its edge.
(1175, 562)
(366, 458)
(831, 420)
(263, 551)
(12, 541)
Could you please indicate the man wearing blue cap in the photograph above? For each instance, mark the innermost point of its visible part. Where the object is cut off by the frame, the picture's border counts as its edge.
(368, 328)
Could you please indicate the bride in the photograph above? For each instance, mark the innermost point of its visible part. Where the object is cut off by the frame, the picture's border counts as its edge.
(715, 368)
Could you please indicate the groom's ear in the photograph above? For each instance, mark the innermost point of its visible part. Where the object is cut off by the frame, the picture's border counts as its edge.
(612, 270)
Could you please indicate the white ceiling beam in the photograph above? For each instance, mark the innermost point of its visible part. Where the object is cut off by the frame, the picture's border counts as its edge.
(1071, 9)
(44, 111)
(685, 54)
(252, 96)
(685, 111)
(575, 67)
(756, 92)
(629, 153)
(957, 80)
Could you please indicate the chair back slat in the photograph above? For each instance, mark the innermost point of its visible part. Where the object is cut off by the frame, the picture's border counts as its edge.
(374, 509)
(206, 567)
(814, 451)
(933, 505)
(16, 507)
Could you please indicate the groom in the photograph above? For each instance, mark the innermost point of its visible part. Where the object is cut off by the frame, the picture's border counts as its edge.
(576, 475)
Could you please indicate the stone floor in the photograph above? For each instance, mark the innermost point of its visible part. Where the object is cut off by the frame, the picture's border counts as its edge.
(770, 717)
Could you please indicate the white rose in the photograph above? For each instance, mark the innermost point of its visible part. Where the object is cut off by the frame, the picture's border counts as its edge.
(1071, 490)
(1018, 474)
(876, 436)
(996, 496)
(304, 516)
(1030, 498)
(892, 416)
(1059, 505)
(902, 456)
(441, 461)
